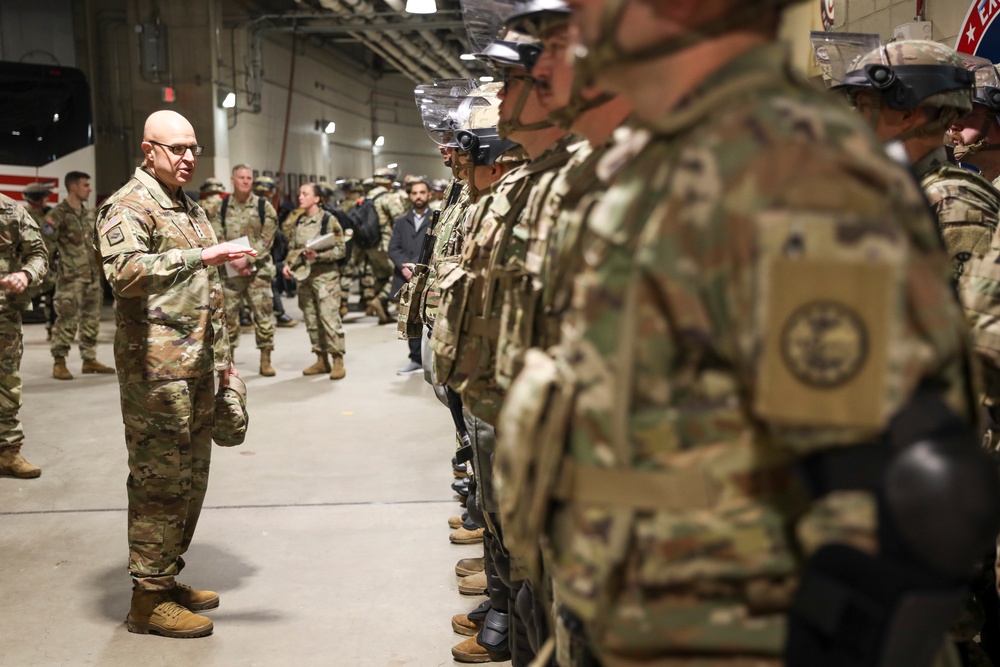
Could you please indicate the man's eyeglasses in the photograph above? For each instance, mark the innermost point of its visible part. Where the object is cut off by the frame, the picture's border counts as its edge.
(180, 150)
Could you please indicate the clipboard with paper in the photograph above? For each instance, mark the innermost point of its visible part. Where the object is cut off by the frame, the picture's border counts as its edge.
(322, 242)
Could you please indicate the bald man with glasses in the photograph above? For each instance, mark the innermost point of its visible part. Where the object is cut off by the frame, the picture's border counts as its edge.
(160, 256)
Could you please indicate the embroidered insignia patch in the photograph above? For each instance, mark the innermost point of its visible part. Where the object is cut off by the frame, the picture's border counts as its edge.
(824, 344)
(115, 236)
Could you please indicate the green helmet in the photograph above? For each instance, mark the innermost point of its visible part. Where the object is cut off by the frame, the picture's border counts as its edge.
(324, 189)
(212, 186)
(914, 73)
(264, 185)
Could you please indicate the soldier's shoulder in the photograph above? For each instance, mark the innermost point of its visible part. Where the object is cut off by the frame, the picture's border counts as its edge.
(950, 181)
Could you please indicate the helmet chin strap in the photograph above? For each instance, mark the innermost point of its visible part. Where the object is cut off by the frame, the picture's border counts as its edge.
(607, 51)
(505, 127)
(577, 104)
(980, 146)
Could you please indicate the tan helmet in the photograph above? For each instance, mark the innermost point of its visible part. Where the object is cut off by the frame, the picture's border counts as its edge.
(212, 186)
(914, 73)
(36, 191)
(264, 185)
(384, 176)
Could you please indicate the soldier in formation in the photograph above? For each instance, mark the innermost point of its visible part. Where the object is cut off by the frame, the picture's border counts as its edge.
(671, 329)
(264, 187)
(42, 293)
(68, 229)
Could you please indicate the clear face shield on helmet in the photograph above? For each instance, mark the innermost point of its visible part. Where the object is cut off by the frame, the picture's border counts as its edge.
(440, 104)
(838, 54)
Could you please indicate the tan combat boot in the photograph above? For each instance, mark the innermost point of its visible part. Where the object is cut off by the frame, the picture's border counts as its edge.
(463, 625)
(455, 522)
(470, 651)
(474, 584)
(467, 566)
(12, 464)
(194, 599)
(153, 612)
(377, 308)
(463, 536)
(337, 371)
(94, 366)
(59, 370)
(266, 369)
(321, 366)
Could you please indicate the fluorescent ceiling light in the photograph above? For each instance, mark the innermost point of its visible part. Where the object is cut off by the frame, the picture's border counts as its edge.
(330, 128)
(380, 141)
(230, 101)
(467, 56)
(486, 79)
(391, 166)
(421, 6)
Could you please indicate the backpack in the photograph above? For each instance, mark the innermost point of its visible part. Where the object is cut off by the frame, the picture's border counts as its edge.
(225, 207)
(365, 223)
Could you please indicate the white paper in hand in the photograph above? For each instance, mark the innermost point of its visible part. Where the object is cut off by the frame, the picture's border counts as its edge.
(322, 242)
(243, 241)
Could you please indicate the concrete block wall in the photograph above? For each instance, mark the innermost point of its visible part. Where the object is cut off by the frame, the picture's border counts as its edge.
(882, 16)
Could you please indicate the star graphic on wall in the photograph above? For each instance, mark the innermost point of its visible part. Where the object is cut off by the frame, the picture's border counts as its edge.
(971, 34)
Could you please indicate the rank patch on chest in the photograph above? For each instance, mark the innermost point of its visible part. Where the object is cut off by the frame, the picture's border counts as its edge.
(824, 344)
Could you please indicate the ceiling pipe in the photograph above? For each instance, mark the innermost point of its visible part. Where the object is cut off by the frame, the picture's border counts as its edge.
(435, 43)
(361, 8)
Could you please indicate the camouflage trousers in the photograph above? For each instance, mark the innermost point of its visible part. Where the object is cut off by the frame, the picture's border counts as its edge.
(168, 433)
(354, 267)
(11, 349)
(376, 280)
(255, 292)
(78, 308)
(319, 299)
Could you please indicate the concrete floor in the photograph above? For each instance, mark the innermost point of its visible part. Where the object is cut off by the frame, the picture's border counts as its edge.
(325, 533)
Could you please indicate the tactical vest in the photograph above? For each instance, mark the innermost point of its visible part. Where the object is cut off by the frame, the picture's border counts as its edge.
(968, 210)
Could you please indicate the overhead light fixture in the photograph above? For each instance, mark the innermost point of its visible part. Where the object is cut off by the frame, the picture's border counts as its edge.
(421, 6)
(467, 56)
(230, 101)
(486, 79)
(380, 141)
(330, 128)
(391, 166)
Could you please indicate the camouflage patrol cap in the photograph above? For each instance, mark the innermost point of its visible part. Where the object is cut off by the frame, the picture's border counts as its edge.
(368, 183)
(264, 184)
(231, 416)
(914, 73)
(412, 179)
(36, 191)
(212, 186)
(439, 185)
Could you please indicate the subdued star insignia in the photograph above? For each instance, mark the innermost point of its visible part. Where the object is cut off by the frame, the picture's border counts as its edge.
(824, 344)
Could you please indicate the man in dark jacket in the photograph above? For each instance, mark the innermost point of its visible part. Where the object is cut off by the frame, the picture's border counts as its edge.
(408, 234)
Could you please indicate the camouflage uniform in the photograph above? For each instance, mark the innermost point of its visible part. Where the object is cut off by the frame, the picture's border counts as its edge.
(21, 249)
(377, 277)
(494, 246)
(447, 245)
(319, 282)
(244, 220)
(170, 341)
(688, 381)
(79, 293)
(355, 265)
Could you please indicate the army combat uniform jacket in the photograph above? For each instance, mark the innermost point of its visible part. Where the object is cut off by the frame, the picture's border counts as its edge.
(171, 316)
(760, 283)
(245, 220)
(69, 233)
